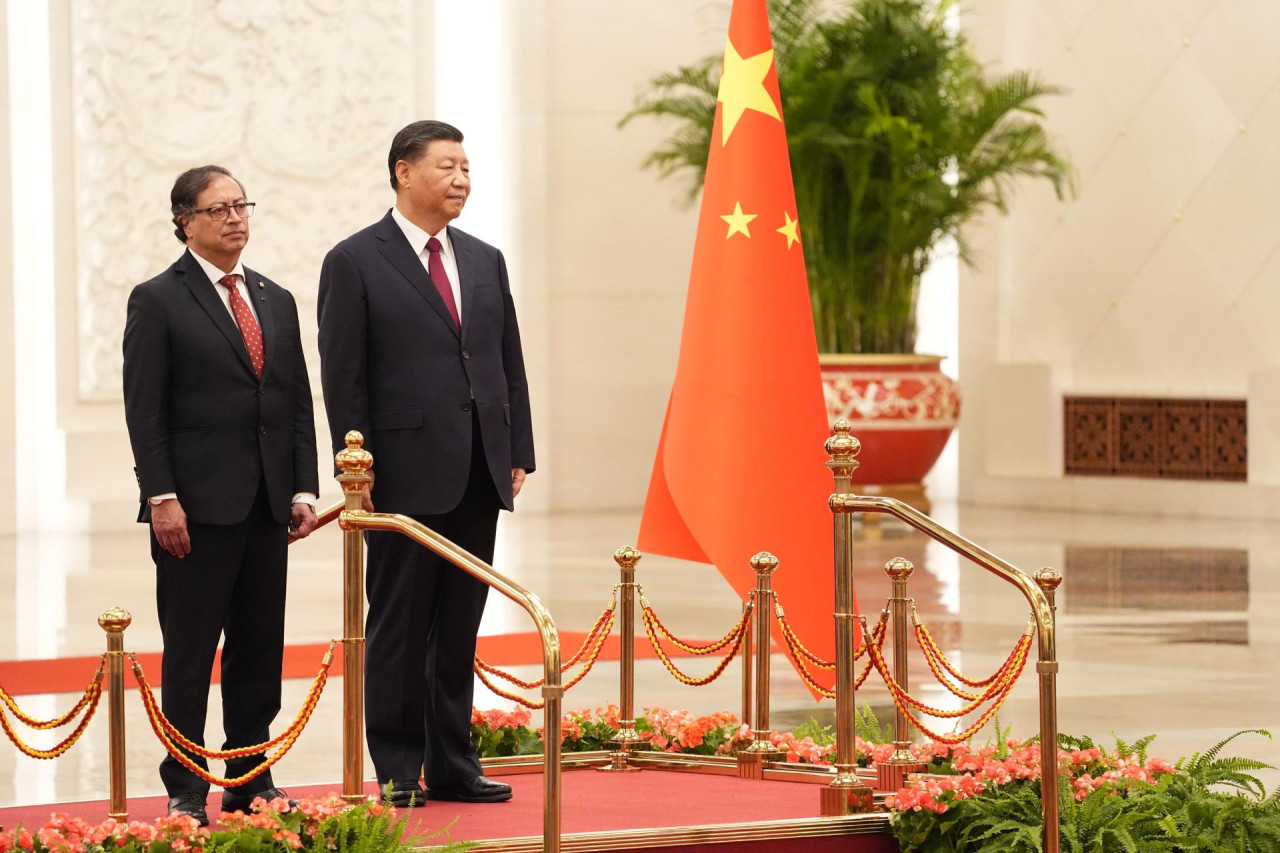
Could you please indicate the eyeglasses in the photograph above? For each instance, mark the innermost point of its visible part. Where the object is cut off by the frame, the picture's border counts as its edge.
(220, 212)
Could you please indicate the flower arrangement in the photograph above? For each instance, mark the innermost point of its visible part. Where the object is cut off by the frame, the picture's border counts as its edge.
(1109, 799)
(979, 798)
(314, 825)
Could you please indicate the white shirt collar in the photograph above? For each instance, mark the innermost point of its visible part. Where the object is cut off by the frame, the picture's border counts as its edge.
(213, 272)
(417, 237)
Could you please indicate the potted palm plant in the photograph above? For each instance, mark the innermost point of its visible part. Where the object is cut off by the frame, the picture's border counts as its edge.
(898, 137)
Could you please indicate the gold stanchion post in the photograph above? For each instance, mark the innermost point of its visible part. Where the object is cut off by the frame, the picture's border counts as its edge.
(846, 794)
(751, 760)
(1047, 666)
(891, 774)
(114, 621)
(354, 462)
(628, 737)
(744, 652)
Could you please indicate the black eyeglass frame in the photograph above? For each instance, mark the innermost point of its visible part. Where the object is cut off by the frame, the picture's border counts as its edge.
(243, 209)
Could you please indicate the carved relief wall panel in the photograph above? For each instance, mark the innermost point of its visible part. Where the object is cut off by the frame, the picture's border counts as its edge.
(299, 98)
(1175, 439)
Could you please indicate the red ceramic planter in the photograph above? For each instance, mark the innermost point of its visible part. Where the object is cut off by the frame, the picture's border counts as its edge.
(902, 407)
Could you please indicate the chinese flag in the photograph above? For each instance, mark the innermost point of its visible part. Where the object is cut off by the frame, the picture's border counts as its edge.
(740, 465)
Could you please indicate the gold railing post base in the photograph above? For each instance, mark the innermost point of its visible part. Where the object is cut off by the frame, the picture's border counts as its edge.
(618, 764)
(891, 775)
(354, 799)
(837, 801)
(619, 758)
(751, 764)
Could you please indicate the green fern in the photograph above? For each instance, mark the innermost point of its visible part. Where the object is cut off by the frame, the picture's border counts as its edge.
(867, 726)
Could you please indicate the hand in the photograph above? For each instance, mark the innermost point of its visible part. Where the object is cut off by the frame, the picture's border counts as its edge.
(303, 520)
(517, 480)
(366, 495)
(169, 523)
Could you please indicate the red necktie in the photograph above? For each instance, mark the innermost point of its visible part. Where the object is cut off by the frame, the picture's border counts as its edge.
(435, 266)
(248, 326)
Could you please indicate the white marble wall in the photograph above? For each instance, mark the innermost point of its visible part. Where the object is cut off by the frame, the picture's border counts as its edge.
(1162, 277)
(299, 98)
(8, 404)
(619, 241)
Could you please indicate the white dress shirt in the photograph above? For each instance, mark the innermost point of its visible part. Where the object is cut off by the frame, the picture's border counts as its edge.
(215, 274)
(418, 240)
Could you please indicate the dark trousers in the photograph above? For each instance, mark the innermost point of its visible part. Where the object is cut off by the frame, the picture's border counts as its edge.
(233, 584)
(424, 614)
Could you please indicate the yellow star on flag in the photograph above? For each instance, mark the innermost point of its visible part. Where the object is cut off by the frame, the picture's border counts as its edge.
(790, 229)
(742, 88)
(738, 221)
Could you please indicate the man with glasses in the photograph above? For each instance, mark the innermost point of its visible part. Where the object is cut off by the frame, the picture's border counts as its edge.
(218, 406)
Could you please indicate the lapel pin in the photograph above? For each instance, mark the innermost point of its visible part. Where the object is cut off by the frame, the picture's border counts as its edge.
(260, 284)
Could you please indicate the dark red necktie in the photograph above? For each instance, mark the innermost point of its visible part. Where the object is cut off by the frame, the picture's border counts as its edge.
(248, 326)
(435, 266)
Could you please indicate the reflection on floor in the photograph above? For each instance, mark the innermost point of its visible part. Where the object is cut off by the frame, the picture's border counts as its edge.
(1164, 626)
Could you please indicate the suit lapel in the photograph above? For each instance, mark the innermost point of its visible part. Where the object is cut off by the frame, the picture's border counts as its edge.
(396, 249)
(266, 320)
(466, 280)
(203, 290)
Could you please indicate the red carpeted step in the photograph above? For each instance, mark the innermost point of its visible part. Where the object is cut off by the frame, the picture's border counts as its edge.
(659, 802)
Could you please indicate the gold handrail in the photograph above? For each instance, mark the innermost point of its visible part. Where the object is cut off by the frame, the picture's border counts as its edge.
(976, 553)
(552, 691)
(354, 462)
(328, 514)
(1038, 590)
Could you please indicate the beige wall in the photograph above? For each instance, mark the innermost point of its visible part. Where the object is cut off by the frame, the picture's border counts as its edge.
(619, 242)
(7, 401)
(1160, 278)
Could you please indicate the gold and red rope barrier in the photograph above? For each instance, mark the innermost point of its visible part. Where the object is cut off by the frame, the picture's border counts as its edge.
(998, 689)
(178, 745)
(800, 654)
(590, 649)
(88, 704)
(655, 630)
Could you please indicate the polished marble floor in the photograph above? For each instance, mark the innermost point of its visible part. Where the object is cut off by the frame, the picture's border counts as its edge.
(1165, 625)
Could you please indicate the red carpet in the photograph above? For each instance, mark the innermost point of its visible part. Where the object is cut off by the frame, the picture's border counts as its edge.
(72, 674)
(593, 802)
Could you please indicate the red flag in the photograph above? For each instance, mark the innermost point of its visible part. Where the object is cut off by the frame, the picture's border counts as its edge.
(740, 465)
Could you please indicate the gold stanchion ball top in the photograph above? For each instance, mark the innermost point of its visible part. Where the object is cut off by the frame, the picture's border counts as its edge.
(1049, 579)
(115, 619)
(842, 444)
(899, 568)
(354, 458)
(764, 563)
(626, 557)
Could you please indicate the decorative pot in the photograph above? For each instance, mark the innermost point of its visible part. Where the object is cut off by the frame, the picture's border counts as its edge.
(902, 407)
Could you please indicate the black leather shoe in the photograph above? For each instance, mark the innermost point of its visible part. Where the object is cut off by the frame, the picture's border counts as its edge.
(191, 805)
(475, 790)
(403, 795)
(236, 801)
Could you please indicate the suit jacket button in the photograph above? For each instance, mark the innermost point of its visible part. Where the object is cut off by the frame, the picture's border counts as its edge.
(262, 430)
(466, 407)
(466, 354)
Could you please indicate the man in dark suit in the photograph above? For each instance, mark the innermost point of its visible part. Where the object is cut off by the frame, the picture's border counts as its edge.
(420, 351)
(219, 412)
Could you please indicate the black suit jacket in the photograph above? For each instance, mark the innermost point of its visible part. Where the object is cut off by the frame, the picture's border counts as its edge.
(200, 422)
(395, 368)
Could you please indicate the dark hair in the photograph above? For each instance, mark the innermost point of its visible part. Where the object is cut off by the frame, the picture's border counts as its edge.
(182, 198)
(412, 142)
